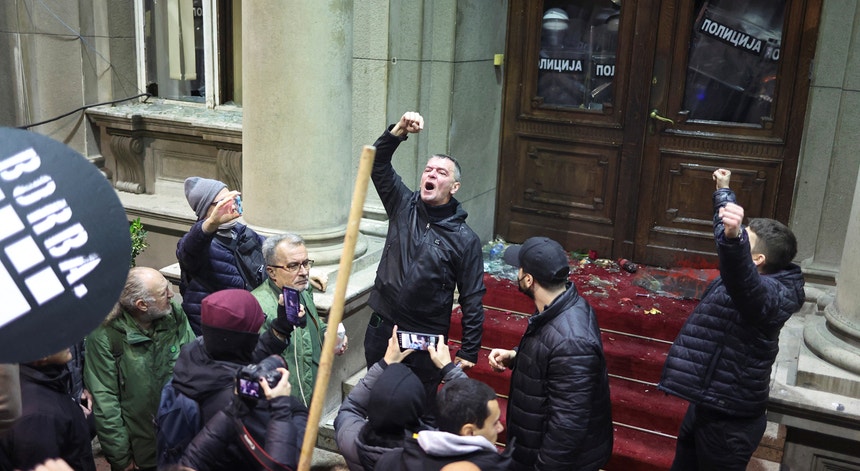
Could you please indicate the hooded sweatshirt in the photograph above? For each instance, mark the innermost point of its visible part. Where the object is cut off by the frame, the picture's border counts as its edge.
(433, 449)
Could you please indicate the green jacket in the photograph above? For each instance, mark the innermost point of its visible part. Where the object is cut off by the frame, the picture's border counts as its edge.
(303, 353)
(126, 390)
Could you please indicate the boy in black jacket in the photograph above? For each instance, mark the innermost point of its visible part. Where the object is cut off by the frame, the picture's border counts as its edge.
(721, 360)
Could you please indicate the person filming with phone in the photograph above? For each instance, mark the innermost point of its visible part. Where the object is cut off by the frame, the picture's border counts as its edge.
(218, 252)
(288, 302)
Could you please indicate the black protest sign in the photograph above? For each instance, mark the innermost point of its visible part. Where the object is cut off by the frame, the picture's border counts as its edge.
(64, 246)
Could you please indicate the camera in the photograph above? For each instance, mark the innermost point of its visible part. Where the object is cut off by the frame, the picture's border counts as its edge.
(248, 378)
(416, 340)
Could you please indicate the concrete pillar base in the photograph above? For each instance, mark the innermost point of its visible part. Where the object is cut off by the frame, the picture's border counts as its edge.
(839, 372)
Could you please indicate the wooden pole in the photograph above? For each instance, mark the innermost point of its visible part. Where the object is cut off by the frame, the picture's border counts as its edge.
(368, 154)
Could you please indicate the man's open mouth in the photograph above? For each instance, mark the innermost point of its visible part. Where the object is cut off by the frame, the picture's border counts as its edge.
(429, 186)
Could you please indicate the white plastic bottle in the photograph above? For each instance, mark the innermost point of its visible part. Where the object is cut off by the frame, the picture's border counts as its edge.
(341, 335)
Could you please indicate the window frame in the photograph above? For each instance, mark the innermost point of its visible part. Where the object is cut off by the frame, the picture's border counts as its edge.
(212, 56)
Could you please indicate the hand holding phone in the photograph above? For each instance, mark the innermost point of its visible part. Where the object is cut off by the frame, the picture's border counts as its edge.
(415, 340)
(290, 312)
(238, 204)
(292, 307)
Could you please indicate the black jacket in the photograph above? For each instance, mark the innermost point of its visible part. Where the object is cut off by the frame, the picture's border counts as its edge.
(424, 260)
(219, 446)
(559, 409)
(52, 424)
(210, 382)
(722, 357)
(433, 450)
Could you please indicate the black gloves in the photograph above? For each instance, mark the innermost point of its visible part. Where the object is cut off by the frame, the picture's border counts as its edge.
(282, 325)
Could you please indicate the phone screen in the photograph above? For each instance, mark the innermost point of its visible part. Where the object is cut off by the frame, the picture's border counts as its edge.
(415, 340)
(239, 205)
(291, 305)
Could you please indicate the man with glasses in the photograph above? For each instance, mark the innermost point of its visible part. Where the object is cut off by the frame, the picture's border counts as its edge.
(288, 266)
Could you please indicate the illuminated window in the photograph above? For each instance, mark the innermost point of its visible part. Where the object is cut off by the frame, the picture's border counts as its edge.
(191, 50)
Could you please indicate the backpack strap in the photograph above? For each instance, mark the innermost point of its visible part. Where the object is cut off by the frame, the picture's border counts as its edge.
(267, 462)
(248, 254)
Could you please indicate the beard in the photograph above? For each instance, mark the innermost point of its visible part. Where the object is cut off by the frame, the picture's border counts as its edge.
(154, 313)
(530, 292)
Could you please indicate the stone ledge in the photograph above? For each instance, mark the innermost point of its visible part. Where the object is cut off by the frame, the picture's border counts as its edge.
(171, 116)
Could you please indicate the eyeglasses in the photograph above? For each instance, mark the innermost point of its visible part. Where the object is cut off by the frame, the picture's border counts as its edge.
(293, 267)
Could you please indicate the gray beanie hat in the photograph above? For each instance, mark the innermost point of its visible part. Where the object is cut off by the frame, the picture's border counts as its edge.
(200, 193)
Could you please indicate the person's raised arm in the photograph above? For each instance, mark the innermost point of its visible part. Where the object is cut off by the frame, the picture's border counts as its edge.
(737, 269)
(732, 216)
(410, 122)
(225, 211)
(388, 184)
(722, 177)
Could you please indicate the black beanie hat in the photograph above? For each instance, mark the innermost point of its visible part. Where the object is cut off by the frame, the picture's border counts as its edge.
(396, 401)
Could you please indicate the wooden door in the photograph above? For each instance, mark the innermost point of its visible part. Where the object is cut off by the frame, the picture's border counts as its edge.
(616, 112)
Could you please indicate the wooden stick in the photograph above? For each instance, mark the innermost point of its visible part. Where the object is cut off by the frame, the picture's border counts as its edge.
(335, 315)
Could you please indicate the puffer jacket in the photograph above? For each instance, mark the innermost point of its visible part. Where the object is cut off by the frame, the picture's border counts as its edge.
(219, 446)
(208, 265)
(305, 343)
(559, 410)
(722, 357)
(126, 391)
(423, 261)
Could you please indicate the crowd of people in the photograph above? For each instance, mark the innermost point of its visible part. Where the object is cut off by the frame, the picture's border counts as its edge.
(248, 367)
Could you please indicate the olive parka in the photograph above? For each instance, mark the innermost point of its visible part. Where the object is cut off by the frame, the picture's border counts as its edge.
(126, 390)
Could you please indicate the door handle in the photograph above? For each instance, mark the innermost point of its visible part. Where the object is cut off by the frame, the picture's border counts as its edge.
(656, 115)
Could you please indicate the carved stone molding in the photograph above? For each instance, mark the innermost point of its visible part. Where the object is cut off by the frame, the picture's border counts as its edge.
(229, 163)
(130, 175)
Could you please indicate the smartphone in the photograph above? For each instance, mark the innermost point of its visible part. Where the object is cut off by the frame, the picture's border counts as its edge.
(239, 204)
(291, 305)
(416, 340)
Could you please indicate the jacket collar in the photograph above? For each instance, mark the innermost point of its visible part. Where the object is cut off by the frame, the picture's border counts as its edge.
(55, 377)
(556, 307)
(451, 222)
(126, 324)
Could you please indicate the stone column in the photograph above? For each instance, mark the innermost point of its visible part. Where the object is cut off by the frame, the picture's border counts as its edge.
(836, 337)
(298, 166)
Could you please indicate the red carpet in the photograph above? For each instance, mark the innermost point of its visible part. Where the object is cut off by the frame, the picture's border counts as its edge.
(639, 314)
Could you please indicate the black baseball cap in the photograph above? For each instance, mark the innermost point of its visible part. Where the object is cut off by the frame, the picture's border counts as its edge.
(541, 257)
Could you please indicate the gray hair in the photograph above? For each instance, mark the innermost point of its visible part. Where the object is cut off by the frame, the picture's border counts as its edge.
(456, 164)
(135, 288)
(272, 243)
